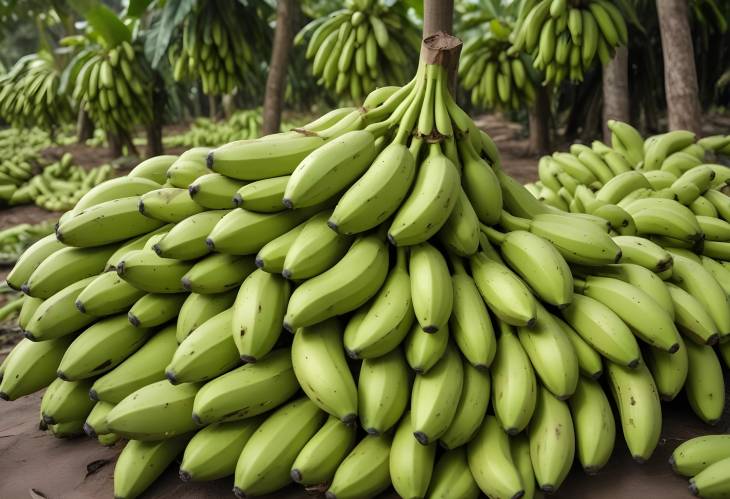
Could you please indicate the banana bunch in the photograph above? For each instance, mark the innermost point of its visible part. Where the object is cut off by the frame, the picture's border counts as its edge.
(705, 460)
(15, 240)
(215, 47)
(368, 43)
(496, 77)
(334, 304)
(30, 96)
(114, 84)
(566, 37)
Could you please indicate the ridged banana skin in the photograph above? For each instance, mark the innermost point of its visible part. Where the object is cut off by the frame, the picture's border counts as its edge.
(411, 463)
(214, 191)
(460, 233)
(141, 463)
(107, 294)
(272, 255)
(540, 265)
(595, 427)
(637, 399)
(58, 316)
(257, 159)
(318, 460)
(423, 350)
(155, 412)
(109, 222)
(692, 318)
(490, 461)
(321, 368)
(696, 454)
(187, 239)
(383, 389)
(31, 366)
(145, 270)
(64, 267)
(258, 314)
(603, 330)
(95, 424)
(430, 202)
(714, 229)
(141, 242)
(66, 401)
(267, 458)
(514, 386)
(101, 347)
(552, 441)
(262, 196)
(154, 169)
(206, 353)
(189, 166)
(155, 309)
(697, 281)
(520, 448)
(213, 452)
(470, 324)
(621, 186)
(471, 410)
(169, 204)
(115, 188)
(218, 273)
(198, 308)
(551, 354)
(27, 309)
(481, 186)
(145, 366)
(316, 249)
(452, 478)
(247, 391)
(330, 169)
(435, 397)
(376, 195)
(31, 258)
(589, 360)
(243, 232)
(579, 241)
(383, 323)
(431, 289)
(669, 370)
(348, 285)
(713, 481)
(705, 386)
(640, 311)
(365, 472)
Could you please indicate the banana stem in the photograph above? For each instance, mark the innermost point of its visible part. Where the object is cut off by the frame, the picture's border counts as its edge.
(415, 148)
(511, 222)
(487, 249)
(579, 285)
(386, 109)
(11, 307)
(457, 264)
(493, 234)
(426, 118)
(400, 257)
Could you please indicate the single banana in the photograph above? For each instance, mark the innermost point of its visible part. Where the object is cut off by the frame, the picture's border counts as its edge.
(316, 249)
(149, 272)
(141, 463)
(318, 460)
(31, 258)
(589, 360)
(198, 308)
(169, 204)
(452, 477)
(431, 289)
(187, 239)
(471, 410)
(107, 294)
(154, 169)
(214, 191)
(95, 425)
(644, 252)
(411, 463)
(272, 255)
(155, 309)
(383, 389)
(66, 401)
(696, 454)
(595, 427)
(705, 385)
(365, 472)
(668, 369)
(218, 273)
(58, 316)
(712, 481)
(262, 196)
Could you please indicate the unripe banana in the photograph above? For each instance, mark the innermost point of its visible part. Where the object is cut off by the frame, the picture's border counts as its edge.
(272, 255)
(95, 425)
(66, 401)
(316, 249)
(149, 272)
(141, 463)
(365, 472)
(187, 239)
(431, 289)
(58, 316)
(383, 389)
(218, 273)
(169, 204)
(154, 169)
(471, 410)
(31, 258)
(695, 454)
(214, 191)
(705, 386)
(411, 463)
(644, 252)
(595, 428)
(318, 460)
(490, 461)
(712, 481)
(452, 478)
(107, 294)
(668, 369)
(424, 350)
(262, 196)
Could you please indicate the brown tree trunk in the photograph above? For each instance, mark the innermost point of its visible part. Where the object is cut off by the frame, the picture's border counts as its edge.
(539, 122)
(212, 107)
(115, 144)
(84, 126)
(154, 129)
(680, 75)
(438, 15)
(616, 101)
(276, 80)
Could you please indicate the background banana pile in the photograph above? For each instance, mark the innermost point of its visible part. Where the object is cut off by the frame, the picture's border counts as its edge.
(114, 84)
(215, 47)
(29, 93)
(565, 37)
(15, 240)
(496, 76)
(366, 44)
(207, 304)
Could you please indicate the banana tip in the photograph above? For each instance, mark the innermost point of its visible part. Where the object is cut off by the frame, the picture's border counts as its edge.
(210, 244)
(170, 375)
(239, 493)
(49, 420)
(140, 207)
(518, 494)
(237, 200)
(89, 430)
(348, 419)
(639, 459)
(674, 348)
(209, 160)
(421, 437)
(62, 375)
(184, 475)
(248, 359)
(286, 274)
(590, 470)
(196, 419)
(296, 475)
(547, 488)
(391, 239)
(185, 281)
(288, 326)
(713, 339)
(372, 431)
(259, 262)
(59, 234)
(633, 364)
(29, 335)
(80, 305)
(4, 396)
(531, 323)
(156, 248)
(193, 190)
(25, 288)
(133, 320)
(512, 431)
(431, 328)
(333, 225)
(351, 353)
(619, 254)
(120, 268)
(693, 488)
(93, 395)
(672, 462)
(288, 203)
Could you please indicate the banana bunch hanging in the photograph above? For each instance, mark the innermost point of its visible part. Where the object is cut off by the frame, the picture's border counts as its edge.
(566, 36)
(219, 43)
(115, 86)
(29, 93)
(367, 44)
(496, 77)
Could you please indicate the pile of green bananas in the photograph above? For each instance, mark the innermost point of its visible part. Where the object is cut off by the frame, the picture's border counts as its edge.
(565, 36)
(218, 43)
(115, 86)
(389, 234)
(15, 240)
(242, 125)
(496, 76)
(366, 44)
(57, 187)
(29, 93)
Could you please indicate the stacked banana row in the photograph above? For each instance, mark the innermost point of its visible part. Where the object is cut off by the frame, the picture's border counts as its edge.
(242, 125)
(496, 77)
(216, 48)
(476, 319)
(565, 37)
(29, 93)
(115, 86)
(365, 45)
(15, 240)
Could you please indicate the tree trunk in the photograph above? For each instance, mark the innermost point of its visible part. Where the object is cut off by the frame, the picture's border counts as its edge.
(212, 107)
(438, 15)
(228, 105)
(276, 80)
(539, 122)
(680, 75)
(115, 144)
(616, 91)
(84, 126)
(154, 129)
